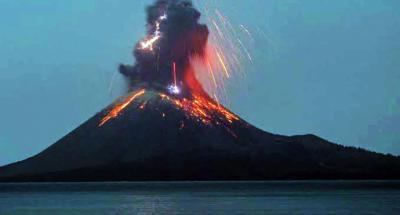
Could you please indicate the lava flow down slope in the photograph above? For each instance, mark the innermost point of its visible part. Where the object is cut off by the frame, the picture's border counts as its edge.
(168, 127)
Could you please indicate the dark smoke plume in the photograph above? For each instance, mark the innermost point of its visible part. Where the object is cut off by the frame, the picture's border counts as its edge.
(181, 37)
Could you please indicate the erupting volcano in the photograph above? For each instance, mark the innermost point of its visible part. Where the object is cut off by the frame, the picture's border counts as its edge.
(163, 64)
(169, 127)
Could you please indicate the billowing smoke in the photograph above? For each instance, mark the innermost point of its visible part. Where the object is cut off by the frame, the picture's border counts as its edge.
(174, 35)
(163, 64)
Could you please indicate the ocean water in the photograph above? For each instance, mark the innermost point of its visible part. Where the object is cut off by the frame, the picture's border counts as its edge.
(275, 197)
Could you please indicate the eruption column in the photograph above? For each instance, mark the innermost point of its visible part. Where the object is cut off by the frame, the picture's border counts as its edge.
(174, 38)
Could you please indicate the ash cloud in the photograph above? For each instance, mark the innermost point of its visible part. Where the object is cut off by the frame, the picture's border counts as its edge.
(178, 35)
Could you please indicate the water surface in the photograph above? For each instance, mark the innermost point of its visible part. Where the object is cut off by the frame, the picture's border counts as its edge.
(276, 197)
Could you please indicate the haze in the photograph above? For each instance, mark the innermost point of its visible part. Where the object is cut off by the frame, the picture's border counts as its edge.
(330, 68)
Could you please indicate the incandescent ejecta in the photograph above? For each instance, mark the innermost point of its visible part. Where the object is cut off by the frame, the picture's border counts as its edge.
(168, 127)
(163, 62)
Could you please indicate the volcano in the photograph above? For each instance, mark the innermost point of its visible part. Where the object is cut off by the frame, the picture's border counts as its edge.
(167, 127)
(154, 139)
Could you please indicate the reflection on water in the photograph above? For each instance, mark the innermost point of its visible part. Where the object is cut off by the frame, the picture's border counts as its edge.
(289, 197)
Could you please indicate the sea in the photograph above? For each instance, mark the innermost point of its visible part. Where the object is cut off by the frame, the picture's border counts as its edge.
(263, 197)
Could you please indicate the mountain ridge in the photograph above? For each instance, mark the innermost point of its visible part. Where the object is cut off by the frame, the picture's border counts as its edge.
(155, 139)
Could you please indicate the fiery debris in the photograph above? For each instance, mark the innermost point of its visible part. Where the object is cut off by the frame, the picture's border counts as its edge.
(120, 107)
(202, 108)
(143, 106)
(197, 106)
(227, 52)
(167, 55)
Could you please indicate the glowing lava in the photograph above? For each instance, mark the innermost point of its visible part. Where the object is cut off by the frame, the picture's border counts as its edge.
(120, 107)
(202, 108)
(199, 67)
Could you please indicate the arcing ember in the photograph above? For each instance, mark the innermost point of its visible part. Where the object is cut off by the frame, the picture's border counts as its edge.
(163, 64)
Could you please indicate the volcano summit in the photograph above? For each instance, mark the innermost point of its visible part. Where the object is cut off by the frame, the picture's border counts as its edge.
(167, 127)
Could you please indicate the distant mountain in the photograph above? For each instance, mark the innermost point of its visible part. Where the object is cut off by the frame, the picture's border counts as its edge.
(149, 135)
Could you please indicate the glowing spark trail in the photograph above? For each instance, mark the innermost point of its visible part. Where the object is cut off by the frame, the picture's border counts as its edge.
(223, 64)
(120, 107)
(208, 57)
(246, 30)
(174, 72)
(143, 106)
(174, 89)
(245, 50)
(218, 29)
(228, 51)
(210, 69)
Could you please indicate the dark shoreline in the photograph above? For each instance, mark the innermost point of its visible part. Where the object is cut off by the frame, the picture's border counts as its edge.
(200, 185)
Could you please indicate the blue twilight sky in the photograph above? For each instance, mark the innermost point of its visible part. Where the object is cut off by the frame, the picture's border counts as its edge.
(331, 68)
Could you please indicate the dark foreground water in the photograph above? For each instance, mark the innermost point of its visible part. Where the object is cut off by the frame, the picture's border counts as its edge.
(289, 197)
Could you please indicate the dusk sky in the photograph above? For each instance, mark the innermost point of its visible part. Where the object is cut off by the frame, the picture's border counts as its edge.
(330, 68)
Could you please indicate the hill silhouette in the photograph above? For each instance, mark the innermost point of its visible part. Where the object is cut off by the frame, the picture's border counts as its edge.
(168, 128)
(159, 141)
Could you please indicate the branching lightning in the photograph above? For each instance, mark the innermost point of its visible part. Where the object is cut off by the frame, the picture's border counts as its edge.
(215, 54)
(148, 44)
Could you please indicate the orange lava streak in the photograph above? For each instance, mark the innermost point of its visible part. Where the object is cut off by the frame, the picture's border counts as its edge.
(120, 107)
(203, 108)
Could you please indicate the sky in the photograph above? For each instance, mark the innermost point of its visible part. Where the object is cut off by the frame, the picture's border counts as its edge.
(330, 68)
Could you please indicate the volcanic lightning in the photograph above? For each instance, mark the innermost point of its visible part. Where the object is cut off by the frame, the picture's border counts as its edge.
(166, 63)
(149, 43)
(173, 88)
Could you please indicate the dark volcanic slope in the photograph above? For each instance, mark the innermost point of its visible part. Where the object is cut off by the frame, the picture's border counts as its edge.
(142, 144)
